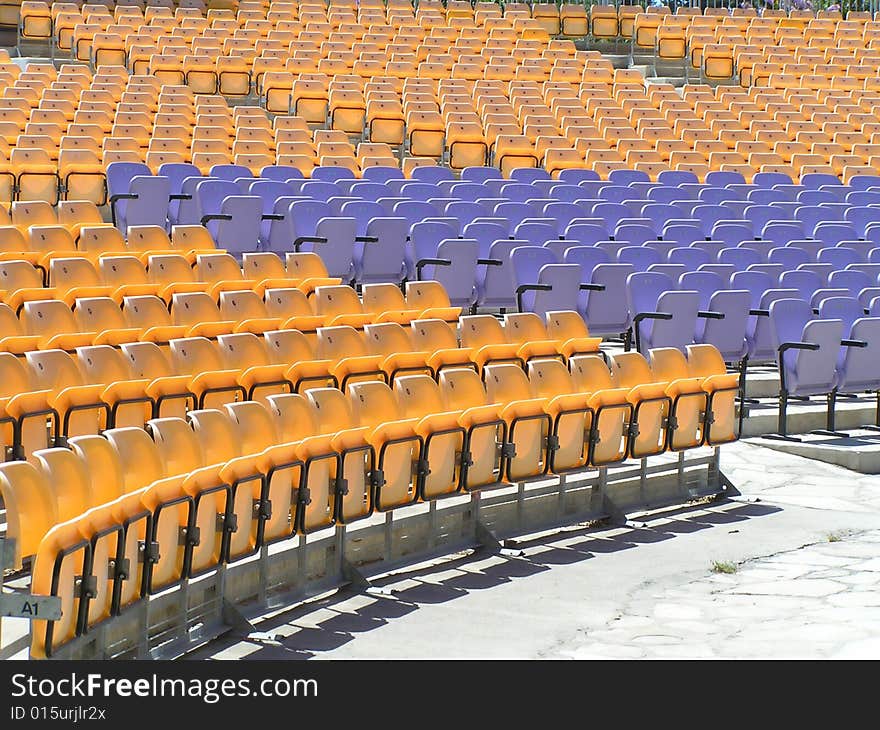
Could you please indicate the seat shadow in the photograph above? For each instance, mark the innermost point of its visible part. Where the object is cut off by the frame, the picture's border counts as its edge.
(648, 535)
(483, 569)
(684, 526)
(561, 556)
(316, 639)
(430, 593)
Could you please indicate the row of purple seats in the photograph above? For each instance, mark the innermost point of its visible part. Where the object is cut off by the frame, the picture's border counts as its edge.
(826, 352)
(364, 234)
(556, 199)
(744, 302)
(796, 271)
(498, 277)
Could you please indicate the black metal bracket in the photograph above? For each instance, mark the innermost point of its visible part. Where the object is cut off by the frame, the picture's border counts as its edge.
(299, 241)
(523, 288)
(637, 320)
(422, 263)
(215, 217)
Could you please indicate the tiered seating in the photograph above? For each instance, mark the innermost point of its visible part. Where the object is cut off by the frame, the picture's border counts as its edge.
(232, 479)
(567, 256)
(61, 130)
(262, 333)
(280, 419)
(359, 87)
(676, 262)
(603, 126)
(722, 45)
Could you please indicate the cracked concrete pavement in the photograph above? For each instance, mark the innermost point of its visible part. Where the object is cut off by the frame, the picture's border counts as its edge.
(806, 583)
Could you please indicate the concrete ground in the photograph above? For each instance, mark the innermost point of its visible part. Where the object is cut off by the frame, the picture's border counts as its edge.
(806, 569)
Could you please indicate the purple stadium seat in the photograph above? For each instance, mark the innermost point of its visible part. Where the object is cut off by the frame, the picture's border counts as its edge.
(605, 306)
(529, 174)
(229, 172)
(433, 175)
(722, 179)
(575, 177)
(380, 246)
(586, 234)
(136, 196)
(732, 232)
(453, 265)
(176, 172)
(805, 282)
(821, 270)
(815, 180)
(780, 232)
(760, 335)
(683, 234)
(739, 257)
(496, 285)
(281, 173)
(790, 257)
(676, 178)
(269, 192)
(728, 332)
(332, 173)
(486, 232)
(807, 352)
(689, 256)
(555, 288)
(414, 211)
(320, 190)
(833, 233)
(382, 174)
(839, 257)
(769, 179)
(424, 240)
(639, 257)
(564, 214)
(725, 271)
(232, 219)
(851, 280)
(673, 271)
(856, 370)
(708, 215)
(662, 315)
(634, 233)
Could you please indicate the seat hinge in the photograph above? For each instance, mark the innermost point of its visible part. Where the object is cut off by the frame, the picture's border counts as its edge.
(148, 552)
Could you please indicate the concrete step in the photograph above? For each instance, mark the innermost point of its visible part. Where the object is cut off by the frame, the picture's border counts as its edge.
(676, 81)
(762, 417)
(619, 59)
(762, 382)
(859, 451)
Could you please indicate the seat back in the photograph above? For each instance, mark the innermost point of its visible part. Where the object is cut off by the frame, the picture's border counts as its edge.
(150, 204)
(177, 444)
(814, 372)
(217, 435)
(728, 334)
(857, 367)
(607, 312)
(383, 259)
(139, 453)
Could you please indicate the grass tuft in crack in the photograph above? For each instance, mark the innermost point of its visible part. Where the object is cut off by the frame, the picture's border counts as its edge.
(723, 566)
